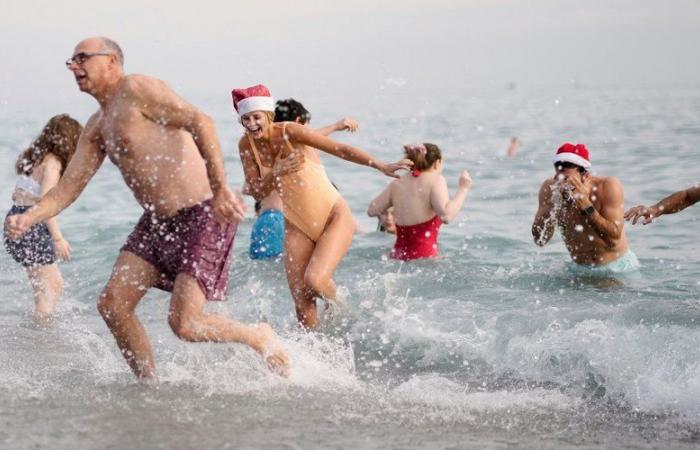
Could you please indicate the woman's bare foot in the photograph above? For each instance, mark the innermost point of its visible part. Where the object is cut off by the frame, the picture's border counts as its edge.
(269, 346)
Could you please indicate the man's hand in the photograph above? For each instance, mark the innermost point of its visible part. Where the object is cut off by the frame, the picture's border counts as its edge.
(16, 225)
(290, 164)
(391, 169)
(346, 124)
(228, 208)
(638, 212)
(63, 249)
(580, 191)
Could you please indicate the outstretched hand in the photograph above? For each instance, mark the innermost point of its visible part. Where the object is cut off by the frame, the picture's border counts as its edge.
(641, 212)
(347, 124)
(16, 225)
(228, 208)
(391, 169)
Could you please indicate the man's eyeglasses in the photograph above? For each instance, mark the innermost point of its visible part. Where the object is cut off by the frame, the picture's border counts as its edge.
(563, 165)
(81, 57)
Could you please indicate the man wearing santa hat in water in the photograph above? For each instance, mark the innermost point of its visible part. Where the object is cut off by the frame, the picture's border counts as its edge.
(589, 212)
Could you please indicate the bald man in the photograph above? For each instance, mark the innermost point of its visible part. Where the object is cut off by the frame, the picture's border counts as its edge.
(169, 156)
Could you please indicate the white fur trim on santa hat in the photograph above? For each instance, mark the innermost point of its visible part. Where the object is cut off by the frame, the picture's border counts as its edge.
(256, 104)
(572, 158)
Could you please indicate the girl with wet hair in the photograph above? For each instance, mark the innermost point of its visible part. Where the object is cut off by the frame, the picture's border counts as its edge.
(421, 203)
(39, 168)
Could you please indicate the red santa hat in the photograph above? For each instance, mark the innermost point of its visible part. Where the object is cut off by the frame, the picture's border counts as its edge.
(254, 98)
(573, 153)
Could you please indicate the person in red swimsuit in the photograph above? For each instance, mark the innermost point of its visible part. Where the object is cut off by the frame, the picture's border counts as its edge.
(421, 203)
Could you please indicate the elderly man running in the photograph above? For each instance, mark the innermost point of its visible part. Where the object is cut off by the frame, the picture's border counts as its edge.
(169, 156)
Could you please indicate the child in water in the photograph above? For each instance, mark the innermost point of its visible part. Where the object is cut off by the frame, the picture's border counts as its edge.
(39, 168)
(420, 202)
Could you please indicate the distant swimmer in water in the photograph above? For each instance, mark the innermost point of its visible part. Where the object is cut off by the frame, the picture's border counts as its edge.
(672, 204)
(319, 225)
(39, 168)
(588, 211)
(513, 147)
(421, 203)
(267, 237)
(169, 156)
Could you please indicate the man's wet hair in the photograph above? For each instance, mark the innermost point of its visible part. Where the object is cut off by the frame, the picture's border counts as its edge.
(113, 47)
(289, 110)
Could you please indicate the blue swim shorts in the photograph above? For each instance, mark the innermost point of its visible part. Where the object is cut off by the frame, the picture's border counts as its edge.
(624, 264)
(267, 237)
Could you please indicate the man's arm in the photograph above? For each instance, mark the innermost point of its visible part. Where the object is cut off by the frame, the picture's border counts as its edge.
(609, 221)
(259, 187)
(543, 225)
(302, 134)
(88, 157)
(160, 104)
(672, 204)
(343, 124)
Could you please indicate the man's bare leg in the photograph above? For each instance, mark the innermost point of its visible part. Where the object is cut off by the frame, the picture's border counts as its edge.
(130, 279)
(189, 322)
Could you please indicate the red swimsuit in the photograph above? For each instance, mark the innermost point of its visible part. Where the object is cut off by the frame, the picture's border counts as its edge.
(417, 241)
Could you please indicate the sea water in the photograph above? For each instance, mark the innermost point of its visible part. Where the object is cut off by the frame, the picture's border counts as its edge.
(494, 344)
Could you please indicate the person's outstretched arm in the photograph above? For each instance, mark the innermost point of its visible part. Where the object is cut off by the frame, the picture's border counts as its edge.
(302, 134)
(346, 123)
(162, 105)
(543, 225)
(440, 201)
(672, 204)
(88, 157)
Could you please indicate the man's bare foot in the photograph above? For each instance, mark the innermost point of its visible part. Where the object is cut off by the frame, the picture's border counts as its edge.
(269, 346)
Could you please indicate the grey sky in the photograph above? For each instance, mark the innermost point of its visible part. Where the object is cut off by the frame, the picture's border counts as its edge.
(206, 47)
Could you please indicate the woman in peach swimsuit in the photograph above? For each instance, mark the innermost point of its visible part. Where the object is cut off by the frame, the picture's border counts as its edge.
(318, 223)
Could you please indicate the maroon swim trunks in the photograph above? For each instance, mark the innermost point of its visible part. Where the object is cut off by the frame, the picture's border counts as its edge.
(192, 242)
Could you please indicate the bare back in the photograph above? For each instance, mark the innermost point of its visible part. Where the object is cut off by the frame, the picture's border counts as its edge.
(413, 197)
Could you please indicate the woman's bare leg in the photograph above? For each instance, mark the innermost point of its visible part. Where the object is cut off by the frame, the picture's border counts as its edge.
(47, 286)
(330, 249)
(297, 253)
